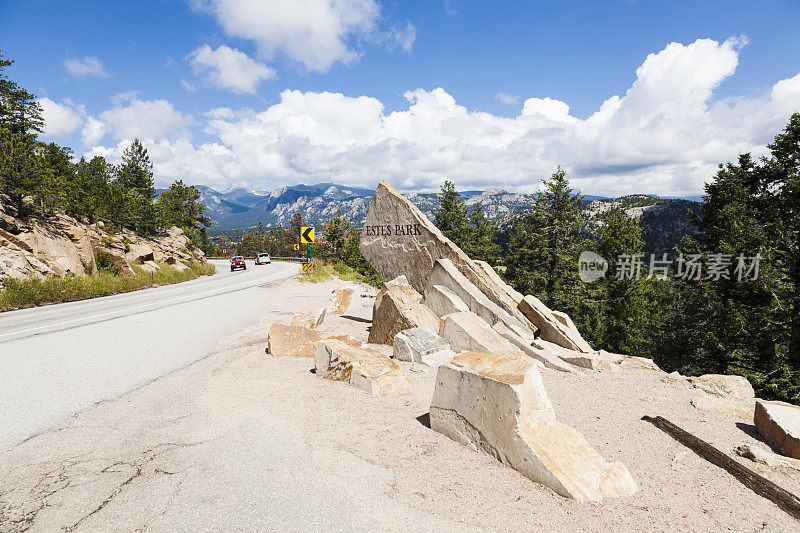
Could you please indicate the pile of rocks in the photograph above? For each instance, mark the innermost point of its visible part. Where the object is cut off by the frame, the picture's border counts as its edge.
(337, 357)
(59, 245)
(490, 343)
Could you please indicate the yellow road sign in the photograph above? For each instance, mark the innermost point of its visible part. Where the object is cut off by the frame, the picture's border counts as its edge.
(306, 267)
(224, 251)
(296, 247)
(307, 234)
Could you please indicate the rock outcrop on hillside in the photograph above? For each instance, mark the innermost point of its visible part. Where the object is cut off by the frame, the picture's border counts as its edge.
(59, 245)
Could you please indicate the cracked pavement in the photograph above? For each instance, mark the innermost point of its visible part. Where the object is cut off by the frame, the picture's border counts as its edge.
(201, 450)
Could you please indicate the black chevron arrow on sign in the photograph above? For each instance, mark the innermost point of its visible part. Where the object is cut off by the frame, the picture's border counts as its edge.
(307, 234)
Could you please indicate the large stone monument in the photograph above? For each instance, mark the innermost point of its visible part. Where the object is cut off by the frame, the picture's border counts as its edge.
(398, 239)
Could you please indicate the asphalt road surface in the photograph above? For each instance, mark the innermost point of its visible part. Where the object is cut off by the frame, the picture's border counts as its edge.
(57, 360)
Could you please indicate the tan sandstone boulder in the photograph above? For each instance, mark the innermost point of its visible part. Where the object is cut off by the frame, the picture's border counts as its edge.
(360, 366)
(540, 350)
(397, 307)
(723, 394)
(416, 343)
(443, 301)
(467, 332)
(779, 423)
(490, 272)
(308, 317)
(553, 328)
(498, 405)
(291, 341)
(445, 273)
(340, 299)
(398, 239)
(735, 387)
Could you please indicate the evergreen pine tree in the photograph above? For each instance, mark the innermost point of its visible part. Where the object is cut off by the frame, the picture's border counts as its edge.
(451, 216)
(544, 248)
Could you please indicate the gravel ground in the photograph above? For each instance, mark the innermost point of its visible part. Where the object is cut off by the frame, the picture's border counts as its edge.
(204, 442)
(678, 490)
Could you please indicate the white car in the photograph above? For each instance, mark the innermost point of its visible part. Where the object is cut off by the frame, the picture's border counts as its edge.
(263, 259)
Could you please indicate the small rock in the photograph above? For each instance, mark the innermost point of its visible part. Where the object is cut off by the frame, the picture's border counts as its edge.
(779, 423)
(340, 299)
(308, 317)
(412, 344)
(724, 386)
(765, 457)
(291, 341)
(725, 406)
(360, 366)
(676, 460)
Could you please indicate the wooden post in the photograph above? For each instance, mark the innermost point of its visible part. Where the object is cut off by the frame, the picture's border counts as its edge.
(758, 484)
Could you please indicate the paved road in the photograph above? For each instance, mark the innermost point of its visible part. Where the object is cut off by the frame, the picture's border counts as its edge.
(57, 360)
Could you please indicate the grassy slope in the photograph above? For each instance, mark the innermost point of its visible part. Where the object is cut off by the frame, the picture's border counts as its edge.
(326, 271)
(31, 292)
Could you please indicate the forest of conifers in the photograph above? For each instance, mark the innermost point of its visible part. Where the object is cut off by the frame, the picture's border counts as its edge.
(38, 178)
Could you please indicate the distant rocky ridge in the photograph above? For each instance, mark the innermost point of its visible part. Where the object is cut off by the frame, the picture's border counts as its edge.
(665, 221)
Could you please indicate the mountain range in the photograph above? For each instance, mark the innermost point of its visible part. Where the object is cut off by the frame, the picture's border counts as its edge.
(664, 220)
(240, 208)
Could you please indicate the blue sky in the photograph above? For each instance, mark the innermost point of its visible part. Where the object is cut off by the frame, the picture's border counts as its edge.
(420, 91)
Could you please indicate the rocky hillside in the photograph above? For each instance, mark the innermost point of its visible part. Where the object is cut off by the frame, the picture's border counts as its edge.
(664, 221)
(59, 245)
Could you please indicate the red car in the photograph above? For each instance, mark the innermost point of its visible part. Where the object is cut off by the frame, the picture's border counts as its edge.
(238, 262)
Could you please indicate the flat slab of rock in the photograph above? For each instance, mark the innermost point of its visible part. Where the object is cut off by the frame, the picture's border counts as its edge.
(399, 306)
(766, 457)
(498, 405)
(553, 328)
(443, 301)
(590, 361)
(398, 239)
(446, 274)
(540, 350)
(467, 332)
(413, 344)
(741, 409)
(360, 366)
(308, 317)
(291, 341)
(724, 386)
(340, 299)
(779, 423)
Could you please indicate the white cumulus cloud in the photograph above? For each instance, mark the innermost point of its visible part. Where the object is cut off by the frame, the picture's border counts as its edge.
(665, 135)
(61, 119)
(131, 117)
(314, 33)
(85, 66)
(228, 68)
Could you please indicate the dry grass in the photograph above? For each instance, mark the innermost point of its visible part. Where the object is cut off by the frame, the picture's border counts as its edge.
(32, 292)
